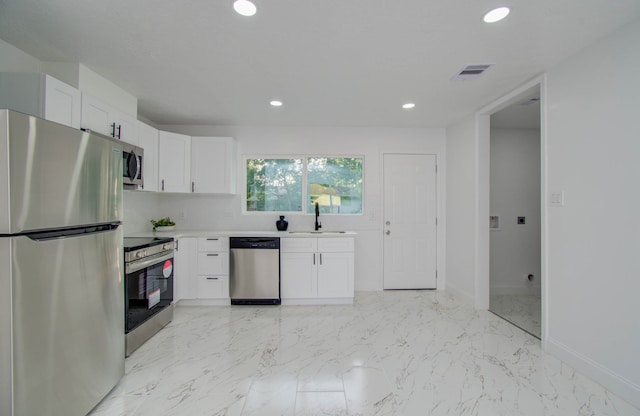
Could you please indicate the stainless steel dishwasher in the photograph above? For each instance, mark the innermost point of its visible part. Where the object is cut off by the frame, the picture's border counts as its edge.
(254, 270)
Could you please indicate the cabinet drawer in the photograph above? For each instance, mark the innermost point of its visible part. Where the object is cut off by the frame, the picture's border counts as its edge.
(213, 244)
(298, 245)
(213, 287)
(213, 263)
(335, 245)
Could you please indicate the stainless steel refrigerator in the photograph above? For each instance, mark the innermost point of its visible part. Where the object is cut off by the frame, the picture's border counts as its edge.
(61, 272)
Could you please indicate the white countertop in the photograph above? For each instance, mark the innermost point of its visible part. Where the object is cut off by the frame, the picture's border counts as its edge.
(244, 233)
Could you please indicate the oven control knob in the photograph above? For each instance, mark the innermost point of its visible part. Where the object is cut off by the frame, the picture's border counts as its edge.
(166, 246)
(140, 254)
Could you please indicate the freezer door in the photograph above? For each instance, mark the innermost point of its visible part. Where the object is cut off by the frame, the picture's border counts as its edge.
(68, 322)
(58, 176)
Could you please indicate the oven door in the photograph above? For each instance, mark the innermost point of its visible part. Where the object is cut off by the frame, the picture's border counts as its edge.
(148, 288)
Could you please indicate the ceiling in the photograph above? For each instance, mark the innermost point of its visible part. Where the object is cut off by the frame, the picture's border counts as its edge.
(332, 62)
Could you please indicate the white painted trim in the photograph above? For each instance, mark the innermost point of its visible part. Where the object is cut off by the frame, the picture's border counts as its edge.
(203, 302)
(317, 301)
(620, 385)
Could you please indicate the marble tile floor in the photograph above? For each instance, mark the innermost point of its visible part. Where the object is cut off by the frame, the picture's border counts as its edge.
(524, 311)
(391, 353)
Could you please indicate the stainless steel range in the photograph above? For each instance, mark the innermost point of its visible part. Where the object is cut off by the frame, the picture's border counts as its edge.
(148, 288)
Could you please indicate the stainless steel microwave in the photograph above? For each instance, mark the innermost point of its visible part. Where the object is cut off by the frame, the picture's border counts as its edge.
(132, 164)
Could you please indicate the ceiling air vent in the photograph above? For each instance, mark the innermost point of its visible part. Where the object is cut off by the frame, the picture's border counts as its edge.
(471, 72)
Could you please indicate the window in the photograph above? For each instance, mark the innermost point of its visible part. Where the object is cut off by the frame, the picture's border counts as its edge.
(283, 185)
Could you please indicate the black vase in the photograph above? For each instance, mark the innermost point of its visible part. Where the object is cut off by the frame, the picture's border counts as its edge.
(282, 224)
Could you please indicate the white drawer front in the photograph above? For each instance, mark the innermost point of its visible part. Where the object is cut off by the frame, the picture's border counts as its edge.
(213, 244)
(213, 263)
(298, 245)
(335, 245)
(213, 287)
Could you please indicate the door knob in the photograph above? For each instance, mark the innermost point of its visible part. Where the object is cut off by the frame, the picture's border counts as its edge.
(388, 232)
(388, 223)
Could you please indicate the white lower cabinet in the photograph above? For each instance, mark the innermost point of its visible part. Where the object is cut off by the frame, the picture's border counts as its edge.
(184, 284)
(316, 270)
(206, 277)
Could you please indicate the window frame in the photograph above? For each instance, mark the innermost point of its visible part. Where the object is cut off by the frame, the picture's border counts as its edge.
(305, 158)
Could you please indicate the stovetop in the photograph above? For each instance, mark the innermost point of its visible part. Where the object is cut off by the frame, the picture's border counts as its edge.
(135, 243)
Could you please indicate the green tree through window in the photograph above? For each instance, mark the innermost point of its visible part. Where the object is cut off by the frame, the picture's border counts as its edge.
(275, 185)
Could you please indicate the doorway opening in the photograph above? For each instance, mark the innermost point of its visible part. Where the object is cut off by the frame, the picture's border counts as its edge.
(515, 212)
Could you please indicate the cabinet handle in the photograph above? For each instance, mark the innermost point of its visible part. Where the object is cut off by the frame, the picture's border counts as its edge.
(162, 185)
(212, 239)
(314, 258)
(113, 129)
(212, 255)
(320, 259)
(193, 186)
(177, 241)
(119, 131)
(212, 278)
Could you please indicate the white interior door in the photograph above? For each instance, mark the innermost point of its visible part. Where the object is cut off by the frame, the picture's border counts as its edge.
(410, 222)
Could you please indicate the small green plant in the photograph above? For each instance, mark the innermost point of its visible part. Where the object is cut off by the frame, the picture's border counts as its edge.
(162, 222)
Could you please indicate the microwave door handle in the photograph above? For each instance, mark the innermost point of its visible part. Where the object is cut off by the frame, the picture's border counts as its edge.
(138, 167)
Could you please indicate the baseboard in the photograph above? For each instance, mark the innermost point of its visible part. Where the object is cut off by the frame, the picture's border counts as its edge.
(467, 297)
(203, 302)
(614, 382)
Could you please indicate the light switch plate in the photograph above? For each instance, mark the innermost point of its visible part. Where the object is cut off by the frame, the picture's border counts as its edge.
(556, 198)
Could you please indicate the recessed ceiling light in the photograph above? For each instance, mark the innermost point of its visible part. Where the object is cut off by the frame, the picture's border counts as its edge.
(244, 7)
(408, 106)
(496, 15)
(276, 103)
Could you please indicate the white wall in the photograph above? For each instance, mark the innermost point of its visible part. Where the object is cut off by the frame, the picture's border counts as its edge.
(13, 59)
(515, 191)
(461, 208)
(592, 282)
(594, 240)
(139, 209)
(225, 212)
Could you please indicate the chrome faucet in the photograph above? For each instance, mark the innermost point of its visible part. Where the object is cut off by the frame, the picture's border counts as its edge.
(318, 224)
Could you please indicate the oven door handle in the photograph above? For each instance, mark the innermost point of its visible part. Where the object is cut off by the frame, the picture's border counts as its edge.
(142, 264)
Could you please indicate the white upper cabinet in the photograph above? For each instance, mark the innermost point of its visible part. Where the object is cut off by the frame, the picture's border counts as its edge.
(103, 118)
(40, 95)
(174, 162)
(213, 165)
(148, 140)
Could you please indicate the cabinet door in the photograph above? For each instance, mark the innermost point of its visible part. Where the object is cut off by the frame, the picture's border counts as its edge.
(126, 128)
(148, 140)
(213, 165)
(184, 274)
(174, 168)
(213, 244)
(213, 287)
(335, 275)
(96, 115)
(298, 275)
(213, 263)
(62, 102)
